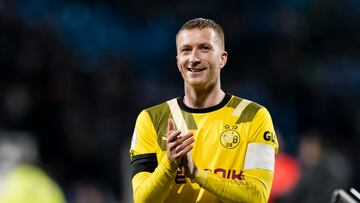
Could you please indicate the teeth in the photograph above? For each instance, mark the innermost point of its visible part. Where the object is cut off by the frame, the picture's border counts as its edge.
(194, 70)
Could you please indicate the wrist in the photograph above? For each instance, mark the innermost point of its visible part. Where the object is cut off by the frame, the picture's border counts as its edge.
(171, 165)
(200, 177)
(194, 173)
(172, 161)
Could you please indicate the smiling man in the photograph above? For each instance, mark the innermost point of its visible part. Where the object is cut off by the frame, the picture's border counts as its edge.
(208, 145)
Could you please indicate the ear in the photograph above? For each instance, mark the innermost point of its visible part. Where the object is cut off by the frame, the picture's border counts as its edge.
(223, 59)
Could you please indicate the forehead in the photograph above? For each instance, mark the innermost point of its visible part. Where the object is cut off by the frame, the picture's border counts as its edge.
(196, 36)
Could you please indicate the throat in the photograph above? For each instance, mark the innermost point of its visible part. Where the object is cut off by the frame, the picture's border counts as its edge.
(203, 99)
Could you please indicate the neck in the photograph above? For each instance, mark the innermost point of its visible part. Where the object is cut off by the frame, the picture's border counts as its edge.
(203, 98)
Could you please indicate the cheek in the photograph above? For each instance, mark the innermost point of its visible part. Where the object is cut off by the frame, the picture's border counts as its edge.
(181, 63)
(180, 66)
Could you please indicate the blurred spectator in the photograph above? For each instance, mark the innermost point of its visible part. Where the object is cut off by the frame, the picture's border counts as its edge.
(20, 179)
(90, 192)
(323, 171)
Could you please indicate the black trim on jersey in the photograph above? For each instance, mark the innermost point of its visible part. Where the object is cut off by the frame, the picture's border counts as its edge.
(182, 105)
(143, 162)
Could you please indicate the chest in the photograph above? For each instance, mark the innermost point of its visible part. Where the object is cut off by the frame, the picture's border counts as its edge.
(219, 141)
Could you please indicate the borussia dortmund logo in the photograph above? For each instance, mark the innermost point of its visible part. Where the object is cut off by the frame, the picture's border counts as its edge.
(230, 138)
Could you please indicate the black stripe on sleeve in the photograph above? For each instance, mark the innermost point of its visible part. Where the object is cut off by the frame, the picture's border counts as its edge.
(143, 162)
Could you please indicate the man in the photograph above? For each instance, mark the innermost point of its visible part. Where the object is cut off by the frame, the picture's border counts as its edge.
(207, 146)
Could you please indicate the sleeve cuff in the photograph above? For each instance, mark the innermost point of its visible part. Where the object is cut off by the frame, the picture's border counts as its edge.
(200, 177)
(169, 166)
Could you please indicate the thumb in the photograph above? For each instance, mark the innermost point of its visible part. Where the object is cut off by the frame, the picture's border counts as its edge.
(171, 125)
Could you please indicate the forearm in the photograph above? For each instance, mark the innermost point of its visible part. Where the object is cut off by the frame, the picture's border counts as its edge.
(154, 187)
(253, 188)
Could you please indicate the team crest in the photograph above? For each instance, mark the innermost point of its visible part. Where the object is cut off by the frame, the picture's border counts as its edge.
(230, 138)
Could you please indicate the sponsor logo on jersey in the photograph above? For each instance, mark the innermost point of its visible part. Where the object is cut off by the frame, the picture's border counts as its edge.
(225, 173)
(162, 142)
(269, 136)
(230, 138)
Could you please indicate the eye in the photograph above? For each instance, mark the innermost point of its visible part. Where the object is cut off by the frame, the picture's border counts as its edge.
(205, 48)
(185, 50)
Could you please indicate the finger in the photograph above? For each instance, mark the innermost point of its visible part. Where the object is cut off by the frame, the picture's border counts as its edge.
(184, 145)
(188, 156)
(182, 137)
(178, 139)
(183, 152)
(173, 136)
(171, 146)
(171, 125)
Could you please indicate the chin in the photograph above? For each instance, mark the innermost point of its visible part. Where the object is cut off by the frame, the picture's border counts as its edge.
(196, 83)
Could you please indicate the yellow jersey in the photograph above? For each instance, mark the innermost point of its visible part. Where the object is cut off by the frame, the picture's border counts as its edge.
(234, 140)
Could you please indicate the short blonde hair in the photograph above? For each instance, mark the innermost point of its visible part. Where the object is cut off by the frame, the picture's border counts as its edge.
(203, 23)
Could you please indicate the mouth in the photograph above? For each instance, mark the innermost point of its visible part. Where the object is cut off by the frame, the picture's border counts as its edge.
(195, 69)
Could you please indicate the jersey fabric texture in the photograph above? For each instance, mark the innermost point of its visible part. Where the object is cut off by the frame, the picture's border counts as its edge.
(234, 150)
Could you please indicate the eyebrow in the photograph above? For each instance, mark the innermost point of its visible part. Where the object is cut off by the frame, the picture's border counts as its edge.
(200, 45)
(206, 44)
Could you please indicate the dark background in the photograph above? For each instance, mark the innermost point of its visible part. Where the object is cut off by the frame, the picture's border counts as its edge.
(75, 74)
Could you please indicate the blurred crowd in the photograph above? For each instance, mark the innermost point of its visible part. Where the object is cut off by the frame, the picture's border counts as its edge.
(75, 74)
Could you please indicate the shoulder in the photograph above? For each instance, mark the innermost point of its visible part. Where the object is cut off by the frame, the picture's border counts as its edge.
(236, 100)
(245, 109)
(158, 109)
(158, 112)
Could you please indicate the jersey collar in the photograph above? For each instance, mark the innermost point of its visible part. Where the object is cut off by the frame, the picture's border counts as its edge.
(183, 107)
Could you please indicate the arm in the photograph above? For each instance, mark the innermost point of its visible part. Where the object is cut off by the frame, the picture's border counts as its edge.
(255, 186)
(154, 187)
(152, 181)
(256, 180)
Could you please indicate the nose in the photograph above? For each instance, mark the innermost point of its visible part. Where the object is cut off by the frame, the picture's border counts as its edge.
(194, 58)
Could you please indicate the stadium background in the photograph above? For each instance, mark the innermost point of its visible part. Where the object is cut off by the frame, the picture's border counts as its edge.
(75, 74)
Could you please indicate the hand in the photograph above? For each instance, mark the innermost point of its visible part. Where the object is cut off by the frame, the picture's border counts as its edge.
(188, 167)
(178, 144)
